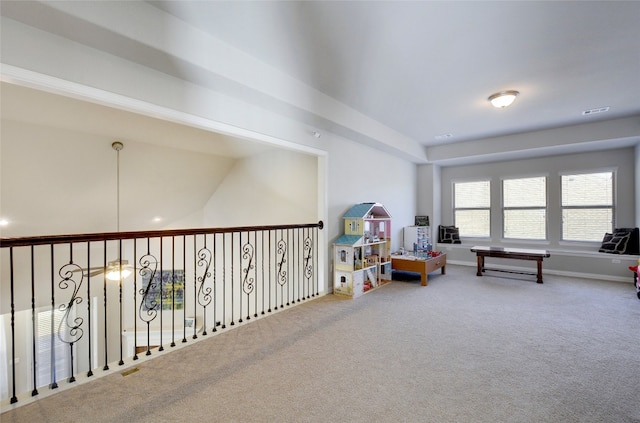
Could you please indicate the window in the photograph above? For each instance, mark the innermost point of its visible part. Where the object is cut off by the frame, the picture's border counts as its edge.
(587, 206)
(472, 208)
(50, 349)
(524, 202)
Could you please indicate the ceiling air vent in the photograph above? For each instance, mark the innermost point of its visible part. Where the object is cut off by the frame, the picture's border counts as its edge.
(594, 111)
(443, 137)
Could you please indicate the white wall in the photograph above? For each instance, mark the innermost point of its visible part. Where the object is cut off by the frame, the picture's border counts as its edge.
(358, 174)
(276, 187)
(57, 181)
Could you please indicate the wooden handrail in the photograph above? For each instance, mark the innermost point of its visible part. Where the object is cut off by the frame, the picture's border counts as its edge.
(108, 236)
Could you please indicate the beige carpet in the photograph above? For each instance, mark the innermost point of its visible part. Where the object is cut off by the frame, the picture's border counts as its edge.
(463, 349)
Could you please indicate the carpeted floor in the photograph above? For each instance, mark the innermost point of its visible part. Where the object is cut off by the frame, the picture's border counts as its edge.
(463, 349)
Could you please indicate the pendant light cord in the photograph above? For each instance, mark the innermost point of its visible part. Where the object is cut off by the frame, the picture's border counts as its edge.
(117, 146)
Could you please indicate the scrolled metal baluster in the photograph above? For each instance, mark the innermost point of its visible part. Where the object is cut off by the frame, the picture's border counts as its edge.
(204, 292)
(282, 271)
(308, 262)
(70, 330)
(148, 309)
(148, 303)
(282, 260)
(248, 255)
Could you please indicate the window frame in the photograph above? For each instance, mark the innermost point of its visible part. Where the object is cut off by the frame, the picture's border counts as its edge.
(504, 208)
(455, 209)
(613, 207)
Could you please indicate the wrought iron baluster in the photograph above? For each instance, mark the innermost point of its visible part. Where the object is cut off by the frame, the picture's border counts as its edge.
(241, 287)
(262, 255)
(231, 279)
(255, 297)
(104, 290)
(184, 293)
(269, 273)
(204, 292)
(248, 257)
(135, 300)
(34, 392)
(308, 262)
(54, 382)
(282, 270)
(70, 329)
(148, 309)
(173, 291)
(300, 280)
(315, 261)
(215, 297)
(14, 397)
(121, 362)
(161, 301)
(89, 327)
(195, 282)
(224, 281)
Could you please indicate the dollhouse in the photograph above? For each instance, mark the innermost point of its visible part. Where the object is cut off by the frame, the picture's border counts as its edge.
(362, 256)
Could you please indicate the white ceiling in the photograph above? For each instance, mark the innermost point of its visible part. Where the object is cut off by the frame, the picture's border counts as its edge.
(421, 68)
(426, 68)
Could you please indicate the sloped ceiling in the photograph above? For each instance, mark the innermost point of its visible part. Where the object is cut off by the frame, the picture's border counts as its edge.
(167, 171)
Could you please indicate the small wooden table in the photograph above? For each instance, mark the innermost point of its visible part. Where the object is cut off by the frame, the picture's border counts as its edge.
(420, 265)
(510, 253)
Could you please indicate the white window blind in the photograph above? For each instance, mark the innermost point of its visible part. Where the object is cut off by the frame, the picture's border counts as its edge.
(587, 206)
(524, 203)
(472, 208)
(50, 349)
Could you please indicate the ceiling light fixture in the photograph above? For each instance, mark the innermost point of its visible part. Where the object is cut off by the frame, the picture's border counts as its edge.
(503, 98)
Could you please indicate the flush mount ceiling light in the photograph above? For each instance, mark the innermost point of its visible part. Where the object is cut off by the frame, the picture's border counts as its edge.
(503, 98)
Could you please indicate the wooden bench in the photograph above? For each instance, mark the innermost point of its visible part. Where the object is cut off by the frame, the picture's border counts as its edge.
(510, 253)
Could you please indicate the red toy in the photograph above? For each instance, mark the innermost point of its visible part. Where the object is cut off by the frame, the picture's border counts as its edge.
(636, 277)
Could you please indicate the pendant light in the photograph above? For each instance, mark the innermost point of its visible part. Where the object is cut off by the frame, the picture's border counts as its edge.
(116, 269)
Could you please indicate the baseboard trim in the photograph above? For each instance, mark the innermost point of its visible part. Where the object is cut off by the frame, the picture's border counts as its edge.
(549, 272)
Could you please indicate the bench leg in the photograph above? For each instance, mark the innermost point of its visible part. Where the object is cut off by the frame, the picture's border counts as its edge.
(539, 271)
(480, 265)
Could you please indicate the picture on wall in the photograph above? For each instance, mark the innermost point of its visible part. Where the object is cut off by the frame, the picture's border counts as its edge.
(169, 293)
